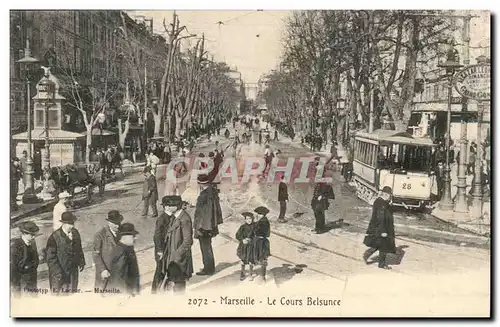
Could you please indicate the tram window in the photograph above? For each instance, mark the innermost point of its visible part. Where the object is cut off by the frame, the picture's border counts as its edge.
(373, 155)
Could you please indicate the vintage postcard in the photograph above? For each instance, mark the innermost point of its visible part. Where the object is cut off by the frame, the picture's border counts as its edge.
(300, 163)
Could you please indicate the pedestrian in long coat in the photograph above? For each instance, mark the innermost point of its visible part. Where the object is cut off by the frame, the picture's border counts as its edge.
(65, 256)
(177, 260)
(160, 241)
(380, 234)
(24, 260)
(207, 216)
(282, 199)
(149, 193)
(124, 268)
(105, 241)
(245, 235)
(319, 203)
(261, 248)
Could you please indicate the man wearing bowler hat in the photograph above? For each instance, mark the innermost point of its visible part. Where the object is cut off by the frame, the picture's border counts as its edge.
(207, 216)
(24, 260)
(149, 193)
(65, 256)
(170, 204)
(105, 241)
(173, 240)
(124, 268)
(380, 234)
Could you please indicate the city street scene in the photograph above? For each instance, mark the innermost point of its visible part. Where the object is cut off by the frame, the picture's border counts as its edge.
(320, 163)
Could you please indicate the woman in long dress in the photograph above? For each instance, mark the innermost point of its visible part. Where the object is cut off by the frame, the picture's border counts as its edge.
(192, 191)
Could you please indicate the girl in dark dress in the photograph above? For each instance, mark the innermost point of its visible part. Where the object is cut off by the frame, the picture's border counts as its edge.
(245, 236)
(261, 248)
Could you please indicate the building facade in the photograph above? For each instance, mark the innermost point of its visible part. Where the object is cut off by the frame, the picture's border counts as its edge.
(84, 42)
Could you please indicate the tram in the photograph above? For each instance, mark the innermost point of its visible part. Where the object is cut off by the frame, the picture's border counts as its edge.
(406, 164)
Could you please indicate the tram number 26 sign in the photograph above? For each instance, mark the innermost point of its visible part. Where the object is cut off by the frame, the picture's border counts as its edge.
(474, 82)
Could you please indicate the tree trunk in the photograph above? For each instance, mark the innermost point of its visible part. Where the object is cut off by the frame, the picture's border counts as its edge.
(122, 132)
(157, 120)
(88, 144)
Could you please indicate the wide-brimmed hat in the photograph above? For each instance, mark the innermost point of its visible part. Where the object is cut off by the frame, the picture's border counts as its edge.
(115, 217)
(261, 210)
(387, 189)
(203, 179)
(127, 229)
(247, 214)
(68, 218)
(64, 195)
(171, 200)
(29, 227)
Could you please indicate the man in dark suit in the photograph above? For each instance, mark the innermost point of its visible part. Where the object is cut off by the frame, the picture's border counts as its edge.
(149, 193)
(207, 216)
(319, 203)
(65, 256)
(159, 239)
(282, 198)
(24, 260)
(105, 241)
(124, 268)
(380, 235)
(174, 241)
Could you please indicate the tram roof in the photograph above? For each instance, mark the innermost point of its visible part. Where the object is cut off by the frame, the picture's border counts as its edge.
(388, 136)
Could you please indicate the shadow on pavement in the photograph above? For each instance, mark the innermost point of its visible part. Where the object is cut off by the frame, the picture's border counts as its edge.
(286, 272)
(393, 259)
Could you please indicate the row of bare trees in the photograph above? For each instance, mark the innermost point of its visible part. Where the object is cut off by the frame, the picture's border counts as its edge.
(192, 87)
(370, 58)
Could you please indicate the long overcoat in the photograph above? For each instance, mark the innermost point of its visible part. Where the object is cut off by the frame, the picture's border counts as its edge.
(178, 242)
(23, 263)
(382, 221)
(208, 213)
(124, 270)
(64, 256)
(104, 244)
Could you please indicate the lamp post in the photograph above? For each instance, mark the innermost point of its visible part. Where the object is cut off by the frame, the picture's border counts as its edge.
(450, 65)
(28, 64)
(49, 88)
(477, 187)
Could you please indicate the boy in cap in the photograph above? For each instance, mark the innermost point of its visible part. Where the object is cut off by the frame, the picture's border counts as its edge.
(380, 235)
(124, 268)
(149, 193)
(65, 256)
(59, 209)
(245, 236)
(105, 241)
(24, 260)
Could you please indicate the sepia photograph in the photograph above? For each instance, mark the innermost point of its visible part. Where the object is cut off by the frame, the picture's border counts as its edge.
(257, 163)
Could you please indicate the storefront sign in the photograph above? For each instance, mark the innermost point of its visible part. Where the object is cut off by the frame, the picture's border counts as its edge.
(474, 82)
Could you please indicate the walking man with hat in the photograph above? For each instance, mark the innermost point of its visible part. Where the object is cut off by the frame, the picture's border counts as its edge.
(149, 193)
(105, 241)
(380, 235)
(173, 239)
(24, 260)
(65, 256)
(59, 209)
(207, 216)
(124, 268)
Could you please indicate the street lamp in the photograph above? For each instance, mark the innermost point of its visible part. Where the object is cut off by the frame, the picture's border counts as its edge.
(477, 187)
(28, 64)
(450, 65)
(49, 88)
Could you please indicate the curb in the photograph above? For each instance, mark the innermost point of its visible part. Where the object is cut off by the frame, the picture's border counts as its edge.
(38, 210)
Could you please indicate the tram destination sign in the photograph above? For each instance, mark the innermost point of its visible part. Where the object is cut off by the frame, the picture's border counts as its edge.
(474, 82)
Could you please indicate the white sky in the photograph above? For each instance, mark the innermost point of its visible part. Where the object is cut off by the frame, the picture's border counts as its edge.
(235, 41)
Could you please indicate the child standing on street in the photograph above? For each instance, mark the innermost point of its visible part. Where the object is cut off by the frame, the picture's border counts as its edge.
(245, 236)
(261, 248)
